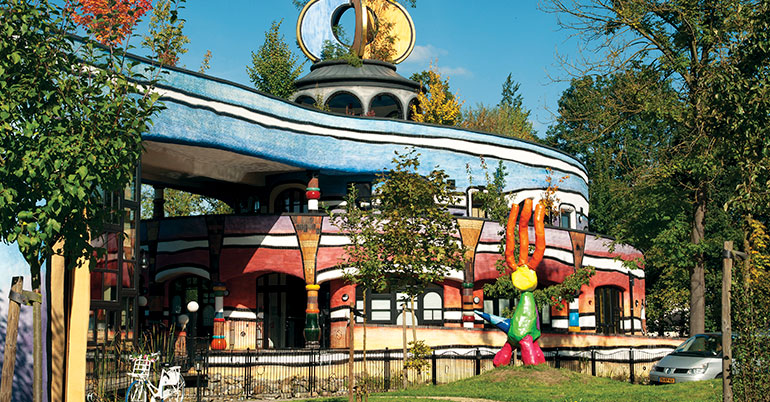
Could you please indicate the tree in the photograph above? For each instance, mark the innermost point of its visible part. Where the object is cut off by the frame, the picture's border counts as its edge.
(165, 38)
(435, 103)
(406, 241)
(507, 118)
(687, 40)
(69, 136)
(110, 22)
(274, 67)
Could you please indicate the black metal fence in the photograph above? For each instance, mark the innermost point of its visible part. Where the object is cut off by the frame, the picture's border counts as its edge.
(288, 373)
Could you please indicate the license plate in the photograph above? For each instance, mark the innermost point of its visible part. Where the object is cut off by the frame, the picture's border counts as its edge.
(667, 380)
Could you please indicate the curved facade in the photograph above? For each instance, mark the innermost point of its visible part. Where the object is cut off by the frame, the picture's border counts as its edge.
(263, 272)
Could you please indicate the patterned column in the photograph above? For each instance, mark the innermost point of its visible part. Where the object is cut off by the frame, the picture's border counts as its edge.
(578, 241)
(308, 228)
(470, 231)
(313, 194)
(218, 341)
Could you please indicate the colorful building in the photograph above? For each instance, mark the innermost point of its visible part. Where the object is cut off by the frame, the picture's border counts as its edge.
(269, 275)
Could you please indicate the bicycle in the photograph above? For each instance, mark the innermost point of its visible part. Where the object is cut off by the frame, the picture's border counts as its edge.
(170, 386)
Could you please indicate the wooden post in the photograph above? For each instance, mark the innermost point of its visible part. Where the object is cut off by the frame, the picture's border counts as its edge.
(351, 346)
(405, 383)
(12, 329)
(727, 332)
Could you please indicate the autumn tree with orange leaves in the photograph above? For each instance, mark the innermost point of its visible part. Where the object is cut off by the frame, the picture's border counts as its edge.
(109, 21)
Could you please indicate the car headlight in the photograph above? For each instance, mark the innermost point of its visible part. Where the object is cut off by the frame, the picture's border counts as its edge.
(698, 370)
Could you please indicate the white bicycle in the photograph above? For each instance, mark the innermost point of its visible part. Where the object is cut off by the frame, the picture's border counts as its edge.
(170, 387)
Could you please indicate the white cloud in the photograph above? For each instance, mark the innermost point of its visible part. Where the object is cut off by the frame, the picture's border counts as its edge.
(425, 54)
(454, 71)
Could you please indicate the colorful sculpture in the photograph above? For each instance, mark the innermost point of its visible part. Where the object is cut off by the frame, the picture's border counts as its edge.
(524, 327)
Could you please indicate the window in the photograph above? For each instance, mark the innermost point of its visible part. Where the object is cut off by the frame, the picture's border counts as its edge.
(290, 200)
(413, 104)
(383, 308)
(345, 103)
(115, 276)
(476, 207)
(385, 105)
(305, 100)
(432, 308)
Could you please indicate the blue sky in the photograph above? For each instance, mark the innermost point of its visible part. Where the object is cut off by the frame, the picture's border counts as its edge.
(475, 44)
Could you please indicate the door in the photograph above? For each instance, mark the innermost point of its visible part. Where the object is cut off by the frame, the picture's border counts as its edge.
(608, 309)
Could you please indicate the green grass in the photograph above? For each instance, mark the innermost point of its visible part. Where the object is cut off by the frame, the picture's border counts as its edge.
(542, 383)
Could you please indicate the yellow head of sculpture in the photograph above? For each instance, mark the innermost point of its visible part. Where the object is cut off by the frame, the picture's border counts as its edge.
(524, 279)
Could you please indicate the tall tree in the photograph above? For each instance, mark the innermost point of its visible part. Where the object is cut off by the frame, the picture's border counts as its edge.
(687, 39)
(507, 118)
(435, 103)
(69, 136)
(407, 240)
(165, 38)
(275, 67)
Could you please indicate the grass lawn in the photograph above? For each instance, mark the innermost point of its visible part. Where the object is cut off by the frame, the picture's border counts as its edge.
(542, 383)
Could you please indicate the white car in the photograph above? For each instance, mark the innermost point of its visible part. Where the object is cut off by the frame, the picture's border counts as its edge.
(698, 358)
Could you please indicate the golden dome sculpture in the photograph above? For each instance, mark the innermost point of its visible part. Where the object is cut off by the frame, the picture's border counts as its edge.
(317, 19)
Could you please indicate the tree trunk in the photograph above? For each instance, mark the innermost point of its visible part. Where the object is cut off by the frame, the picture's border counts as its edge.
(697, 274)
(414, 322)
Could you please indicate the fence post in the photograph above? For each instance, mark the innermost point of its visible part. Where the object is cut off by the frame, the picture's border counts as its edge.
(631, 365)
(557, 359)
(433, 368)
(386, 369)
(478, 361)
(593, 362)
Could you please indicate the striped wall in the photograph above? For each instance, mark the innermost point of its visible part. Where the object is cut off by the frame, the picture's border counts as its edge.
(257, 245)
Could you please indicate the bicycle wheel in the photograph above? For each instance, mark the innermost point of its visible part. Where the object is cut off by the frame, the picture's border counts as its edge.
(177, 395)
(136, 392)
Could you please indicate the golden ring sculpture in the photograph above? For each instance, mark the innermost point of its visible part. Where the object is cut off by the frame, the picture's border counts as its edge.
(317, 18)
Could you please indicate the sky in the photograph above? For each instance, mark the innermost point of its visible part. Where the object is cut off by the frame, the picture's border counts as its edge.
(475, 44)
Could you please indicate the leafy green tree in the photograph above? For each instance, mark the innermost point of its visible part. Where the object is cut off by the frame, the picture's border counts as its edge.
(70, 136)
(742, 100)
(385, 250)
(507, 118)
(165, 38)
(687, 40)
(275, 67)
(622, 127)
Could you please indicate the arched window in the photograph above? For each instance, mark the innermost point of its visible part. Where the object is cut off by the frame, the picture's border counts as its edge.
(290, 200)
(414, 103)
(386, 105)
(345, 103)
(305, 100)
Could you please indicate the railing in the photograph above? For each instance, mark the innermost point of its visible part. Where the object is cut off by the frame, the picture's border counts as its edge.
(290, 373)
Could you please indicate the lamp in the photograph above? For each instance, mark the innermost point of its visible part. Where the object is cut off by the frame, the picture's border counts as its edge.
(142, 301)
(192, 306)
(144, 261)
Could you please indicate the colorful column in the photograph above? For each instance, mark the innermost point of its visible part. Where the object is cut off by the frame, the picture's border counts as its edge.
(312, 331)
(313, 194)
(308, 229)
(470, 231)
(218, 341)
